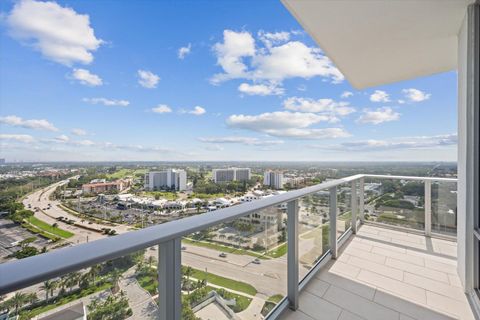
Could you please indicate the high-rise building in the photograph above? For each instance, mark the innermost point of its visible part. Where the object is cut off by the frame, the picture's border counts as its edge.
(231, 174)
(167, 179)
(273, 179)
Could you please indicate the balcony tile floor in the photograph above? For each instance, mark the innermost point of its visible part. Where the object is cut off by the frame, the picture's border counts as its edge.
(386, 274)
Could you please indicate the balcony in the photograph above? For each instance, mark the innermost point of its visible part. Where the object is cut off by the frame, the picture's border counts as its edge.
(360, 247)
(386, 274)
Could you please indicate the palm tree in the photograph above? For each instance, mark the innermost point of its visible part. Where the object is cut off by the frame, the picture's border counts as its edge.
(48, 286)
(151, 260)
(18, 300)
(116, 276)
(72, 280)
(188, 273)
(32, 297)
(94, 271)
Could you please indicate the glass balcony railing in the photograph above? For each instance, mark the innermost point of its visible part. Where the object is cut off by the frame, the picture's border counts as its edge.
(245, 261)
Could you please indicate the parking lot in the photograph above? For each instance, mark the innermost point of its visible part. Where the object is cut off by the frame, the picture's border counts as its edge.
(11, 233)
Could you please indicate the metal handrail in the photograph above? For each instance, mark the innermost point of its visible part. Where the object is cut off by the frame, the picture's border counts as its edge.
(19, 274)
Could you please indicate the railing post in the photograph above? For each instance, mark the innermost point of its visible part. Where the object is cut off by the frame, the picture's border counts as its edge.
(354, 206)
(169, 279)
(333, 222)
(428, 208)
(361, 209)
(292, 254)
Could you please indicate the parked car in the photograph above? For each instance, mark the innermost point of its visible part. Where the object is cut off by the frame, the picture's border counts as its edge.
(222, 255)
(256, 261)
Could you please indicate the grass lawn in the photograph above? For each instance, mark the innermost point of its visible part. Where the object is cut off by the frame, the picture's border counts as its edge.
(278, 252)
(40, 232)
(206, 196)
(170, 196)
(276, 298)
(225, 282)
(28, 314)
(222, 248)
(148, 283)
(122, 173)
(46, 227)
(242, 302)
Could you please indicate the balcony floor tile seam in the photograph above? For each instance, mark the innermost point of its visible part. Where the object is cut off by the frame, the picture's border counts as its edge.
(390, 260)
(367, 285)
(362, 297)
(438, 257)
(380, 265)
(362, 253)
(400, 256)
(417, 284)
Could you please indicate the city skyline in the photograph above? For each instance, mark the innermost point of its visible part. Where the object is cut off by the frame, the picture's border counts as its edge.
(246, 86)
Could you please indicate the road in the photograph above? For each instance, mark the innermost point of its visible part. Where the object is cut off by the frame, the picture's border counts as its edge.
(40, 199)
(269, 277)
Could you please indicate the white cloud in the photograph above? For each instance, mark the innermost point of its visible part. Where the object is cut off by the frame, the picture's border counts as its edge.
(272, 62)
(25, 138)
(421, 142)
(401, 101)
(293, 59)
(162, 108)
(346, 94)
(147, 79)
(59, 33)
(260, 89)
(86, 77)
(197, 111)
(286, 124)
(378, 116)
(235, 46)
(308, 133)
(184, 51)
(379, 96)
(275, 120)
(79, 132)
(62, 138)
(241, 140)
(415, 95)
(107, 102)
(84, 143)
(271, 38)
(326, 106)
(215, 147)
(37, 124)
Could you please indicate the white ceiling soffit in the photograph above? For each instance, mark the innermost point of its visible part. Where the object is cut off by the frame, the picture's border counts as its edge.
(374, 42)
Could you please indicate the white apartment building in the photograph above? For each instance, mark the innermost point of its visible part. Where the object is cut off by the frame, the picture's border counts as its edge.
(231, 174)
(167, 179)
(273, 179)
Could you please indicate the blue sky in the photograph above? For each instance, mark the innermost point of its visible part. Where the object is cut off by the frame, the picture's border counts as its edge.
(199, 80)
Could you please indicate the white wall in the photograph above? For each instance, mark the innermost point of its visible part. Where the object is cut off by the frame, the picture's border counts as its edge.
(462, 147)
(467, 147)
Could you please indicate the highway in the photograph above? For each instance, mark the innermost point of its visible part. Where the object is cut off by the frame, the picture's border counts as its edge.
(40, 199)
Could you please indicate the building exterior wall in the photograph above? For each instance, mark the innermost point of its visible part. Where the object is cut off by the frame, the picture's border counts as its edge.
(231, 174)
(273, 179)
(171, 178)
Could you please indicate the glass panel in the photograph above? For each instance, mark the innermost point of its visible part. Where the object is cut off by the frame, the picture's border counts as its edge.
(395, 202)
(108, 290)
(226, 266)
(314, 230)
(444, 207)
(344, 207)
